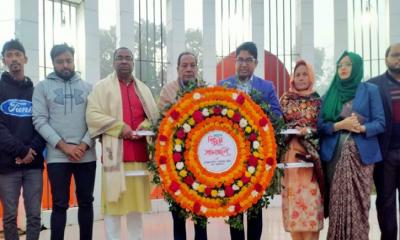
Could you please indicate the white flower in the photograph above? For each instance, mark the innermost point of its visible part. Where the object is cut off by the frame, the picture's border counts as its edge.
(178, 148)
(254, 193)
(205, 112)
(195, 185)
(224, 111)
(163, 167)
(268, 167)
(256, 144)
(162, 143)
(243, 123)
(265, 128)
(178, 192)
(234, 96)
(196, 96)
(179, 165)
(203, 209)
(221, 193)
(186, 128)
(251, 169)
(235, 187)
(231, 208)
(170, 119)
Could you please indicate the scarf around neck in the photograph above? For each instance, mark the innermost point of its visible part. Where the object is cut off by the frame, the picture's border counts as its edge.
(342, 90)
(311, 79)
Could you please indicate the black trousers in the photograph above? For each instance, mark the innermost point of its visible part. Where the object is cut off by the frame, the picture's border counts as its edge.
(387, 181)
(60, 181)
(200, 232)
(254, 228)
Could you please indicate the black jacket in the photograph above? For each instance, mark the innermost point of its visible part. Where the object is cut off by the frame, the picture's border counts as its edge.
(382, 81)
(17, 133)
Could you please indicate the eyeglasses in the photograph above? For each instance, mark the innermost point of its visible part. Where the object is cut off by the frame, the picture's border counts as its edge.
(126, 58)
(344, 65)
(247, 60)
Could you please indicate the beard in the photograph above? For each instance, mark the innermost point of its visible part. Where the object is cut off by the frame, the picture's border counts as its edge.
(66, 75)
(395, 70)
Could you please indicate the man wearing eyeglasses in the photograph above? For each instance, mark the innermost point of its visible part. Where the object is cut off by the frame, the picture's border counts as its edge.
(387, 172)
(118, 106)
(59, 107)
(246, 81)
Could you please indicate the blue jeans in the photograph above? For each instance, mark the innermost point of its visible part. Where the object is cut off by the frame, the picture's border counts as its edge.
(31, 181)
(60, 180)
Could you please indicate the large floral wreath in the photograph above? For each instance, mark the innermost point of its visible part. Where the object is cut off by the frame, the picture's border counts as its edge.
(183, 174)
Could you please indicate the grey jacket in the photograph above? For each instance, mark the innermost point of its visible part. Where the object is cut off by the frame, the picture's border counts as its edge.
(58, 109)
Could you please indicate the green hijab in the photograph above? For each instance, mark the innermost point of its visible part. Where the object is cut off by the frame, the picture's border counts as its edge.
(341, 91)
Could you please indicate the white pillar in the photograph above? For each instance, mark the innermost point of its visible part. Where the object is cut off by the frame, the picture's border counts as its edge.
(341, 28)
(209, 43)
(175, 28)
(394, 20)
(257, 30)
(88, 62)
(26, 29)
(125, 31)
(305, 30)
(88, 50)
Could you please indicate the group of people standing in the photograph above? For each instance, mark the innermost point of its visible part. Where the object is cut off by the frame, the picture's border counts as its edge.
(63, 115)
(351, 137)
(345, 134)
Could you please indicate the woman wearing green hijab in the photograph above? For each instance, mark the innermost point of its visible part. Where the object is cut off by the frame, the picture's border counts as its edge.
(351, 117)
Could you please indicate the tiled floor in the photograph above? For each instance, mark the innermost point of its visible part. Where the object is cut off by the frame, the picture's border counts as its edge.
(158, 226)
